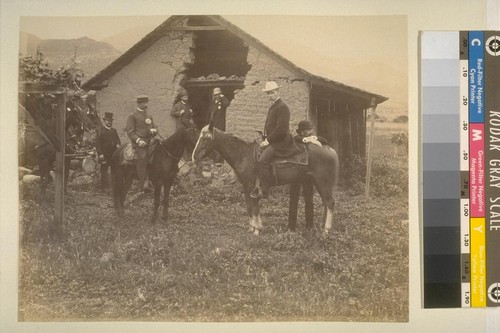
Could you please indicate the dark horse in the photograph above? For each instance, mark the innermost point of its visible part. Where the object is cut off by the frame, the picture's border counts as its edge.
(322, 170)
(162, 170)
(39, 111)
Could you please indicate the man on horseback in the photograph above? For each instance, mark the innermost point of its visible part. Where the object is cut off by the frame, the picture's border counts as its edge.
(140, 129)
(278, 141)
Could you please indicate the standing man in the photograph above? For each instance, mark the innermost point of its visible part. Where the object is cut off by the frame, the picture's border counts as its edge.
(106, 143)
(181, 109)
(218, 108)
(140, 129)
(278, 141)
(217, 118)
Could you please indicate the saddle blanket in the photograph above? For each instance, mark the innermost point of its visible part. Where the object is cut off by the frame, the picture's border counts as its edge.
(301, 158)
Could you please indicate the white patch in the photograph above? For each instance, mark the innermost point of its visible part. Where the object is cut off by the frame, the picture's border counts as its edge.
(259, 222)
(196, 147)
(328, 220)
(202, 134)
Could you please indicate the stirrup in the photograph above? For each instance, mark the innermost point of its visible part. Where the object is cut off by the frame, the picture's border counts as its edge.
(256, 192)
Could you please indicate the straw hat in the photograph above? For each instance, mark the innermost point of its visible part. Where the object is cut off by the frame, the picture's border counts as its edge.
(270, 86)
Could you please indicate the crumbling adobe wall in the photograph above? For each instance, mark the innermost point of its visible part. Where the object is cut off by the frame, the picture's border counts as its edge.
(248, 110)
(156, 72)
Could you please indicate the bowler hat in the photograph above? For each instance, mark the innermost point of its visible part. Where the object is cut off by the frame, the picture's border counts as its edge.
(142, 98)
(270, 86)
(304, 125)
(108, 116)
(217, 91)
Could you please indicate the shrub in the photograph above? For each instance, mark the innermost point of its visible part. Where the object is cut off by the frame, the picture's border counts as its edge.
(389, 175)
(401, 119)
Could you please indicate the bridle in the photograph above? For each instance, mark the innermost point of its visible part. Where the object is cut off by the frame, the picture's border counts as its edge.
(165, 149)
(243, 182)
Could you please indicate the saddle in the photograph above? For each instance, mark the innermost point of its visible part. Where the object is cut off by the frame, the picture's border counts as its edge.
(300, 159)
(128, 154)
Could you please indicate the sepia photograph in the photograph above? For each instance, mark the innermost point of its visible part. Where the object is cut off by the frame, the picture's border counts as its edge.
(213, 168)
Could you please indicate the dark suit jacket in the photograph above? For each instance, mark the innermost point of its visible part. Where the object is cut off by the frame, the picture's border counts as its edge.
(277, 130)
(176, 113)
(137, 127)
(106, 142)
(218, 113)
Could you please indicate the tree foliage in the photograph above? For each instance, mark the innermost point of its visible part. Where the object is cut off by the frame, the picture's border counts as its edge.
(35, 69)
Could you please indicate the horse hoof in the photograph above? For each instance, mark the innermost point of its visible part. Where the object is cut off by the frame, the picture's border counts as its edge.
(256, 232)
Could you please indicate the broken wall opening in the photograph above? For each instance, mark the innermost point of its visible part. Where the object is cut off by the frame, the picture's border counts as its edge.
(220, 60)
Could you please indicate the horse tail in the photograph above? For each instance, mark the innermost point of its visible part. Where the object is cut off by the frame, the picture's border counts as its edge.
(336, 167)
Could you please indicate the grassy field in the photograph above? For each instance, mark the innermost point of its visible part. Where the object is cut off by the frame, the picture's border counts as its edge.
(205, 265)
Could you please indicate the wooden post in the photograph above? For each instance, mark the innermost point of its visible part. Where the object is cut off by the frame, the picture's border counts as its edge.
(370, 149)
(60, 161)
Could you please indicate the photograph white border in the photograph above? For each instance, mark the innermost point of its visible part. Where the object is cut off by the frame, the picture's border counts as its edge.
(422, 15)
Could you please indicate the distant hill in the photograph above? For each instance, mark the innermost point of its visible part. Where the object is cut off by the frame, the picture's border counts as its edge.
(126, 39)
(92, 56)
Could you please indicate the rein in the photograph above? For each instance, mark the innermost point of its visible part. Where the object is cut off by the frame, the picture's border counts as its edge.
(166, 151)
(247, 179)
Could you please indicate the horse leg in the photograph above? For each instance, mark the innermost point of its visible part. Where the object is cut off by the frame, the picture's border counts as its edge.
(307, 191)
(157, 194)
(117, 184)
(253, 210)
(127, 182)
(293, 205)
(325, 190)
(166, 200)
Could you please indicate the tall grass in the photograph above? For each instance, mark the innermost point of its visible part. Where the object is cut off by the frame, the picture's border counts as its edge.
(204, 264)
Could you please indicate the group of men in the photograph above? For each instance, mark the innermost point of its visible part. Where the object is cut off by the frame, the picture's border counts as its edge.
(140, 128)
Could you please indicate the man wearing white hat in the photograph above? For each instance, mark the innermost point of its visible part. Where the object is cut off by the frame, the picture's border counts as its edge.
(217, 117)
(278, 141)
(218, 108)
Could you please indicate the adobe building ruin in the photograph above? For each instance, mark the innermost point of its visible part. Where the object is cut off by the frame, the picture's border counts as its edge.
(198, 53)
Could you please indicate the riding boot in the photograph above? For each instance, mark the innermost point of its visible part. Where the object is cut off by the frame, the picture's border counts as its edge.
(142, 165)
(261, 188)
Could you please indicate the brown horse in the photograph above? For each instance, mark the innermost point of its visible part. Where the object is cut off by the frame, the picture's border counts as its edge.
(162, 170)
(82, 122)
(241, 156)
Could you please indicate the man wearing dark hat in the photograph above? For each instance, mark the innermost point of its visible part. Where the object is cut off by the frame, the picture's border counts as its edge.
(106, 143)
(140, 129)
(305, 134)
(278, 141)
(181, 110)
(218, 108)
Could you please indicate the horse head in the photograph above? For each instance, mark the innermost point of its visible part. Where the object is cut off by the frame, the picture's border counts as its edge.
(204, 145)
